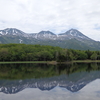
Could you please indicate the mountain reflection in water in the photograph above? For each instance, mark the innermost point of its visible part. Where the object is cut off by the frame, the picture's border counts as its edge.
(49, 79)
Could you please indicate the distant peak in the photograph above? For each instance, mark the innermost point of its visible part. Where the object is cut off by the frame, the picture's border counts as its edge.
(73, 30)
(10, 29)
(74, 33)
(46, 32)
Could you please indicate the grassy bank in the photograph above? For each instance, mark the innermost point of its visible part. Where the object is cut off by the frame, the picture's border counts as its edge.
(23, 62)
(85, 61)
(53, 62)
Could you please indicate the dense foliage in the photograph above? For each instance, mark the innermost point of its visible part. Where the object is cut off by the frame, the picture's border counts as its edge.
(27, 52)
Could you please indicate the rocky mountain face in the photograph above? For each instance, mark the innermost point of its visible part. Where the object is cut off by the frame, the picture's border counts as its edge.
(70, 39)
(45, 35)
(71, 82)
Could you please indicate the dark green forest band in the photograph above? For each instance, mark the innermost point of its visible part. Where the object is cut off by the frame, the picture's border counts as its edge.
(27, 52)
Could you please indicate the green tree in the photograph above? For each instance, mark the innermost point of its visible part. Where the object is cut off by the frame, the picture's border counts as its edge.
(82, 55)
(94, 56)
(4, 54)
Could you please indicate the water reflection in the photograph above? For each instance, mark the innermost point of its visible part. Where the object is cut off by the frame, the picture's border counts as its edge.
(42, 81)
(28, 71)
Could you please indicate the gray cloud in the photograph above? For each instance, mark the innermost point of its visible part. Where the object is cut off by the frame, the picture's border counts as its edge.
(54, 15)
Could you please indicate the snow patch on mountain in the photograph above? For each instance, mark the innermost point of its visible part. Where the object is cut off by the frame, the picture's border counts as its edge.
(46, 35)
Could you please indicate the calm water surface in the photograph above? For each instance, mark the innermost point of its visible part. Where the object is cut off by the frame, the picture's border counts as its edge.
(50, 82)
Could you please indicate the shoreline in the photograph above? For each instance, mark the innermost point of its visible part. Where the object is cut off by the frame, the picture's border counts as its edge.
(51, 62)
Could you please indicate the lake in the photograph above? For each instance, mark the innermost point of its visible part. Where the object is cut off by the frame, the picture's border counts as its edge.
(78, 81)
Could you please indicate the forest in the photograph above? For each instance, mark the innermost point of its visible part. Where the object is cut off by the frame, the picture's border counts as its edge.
(28, 52)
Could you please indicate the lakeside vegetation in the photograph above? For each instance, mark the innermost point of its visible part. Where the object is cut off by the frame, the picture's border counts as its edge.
(50, 62)
(28, 52)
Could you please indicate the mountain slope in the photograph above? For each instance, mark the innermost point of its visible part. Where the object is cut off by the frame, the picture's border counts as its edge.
(73, 33)
(70, 39)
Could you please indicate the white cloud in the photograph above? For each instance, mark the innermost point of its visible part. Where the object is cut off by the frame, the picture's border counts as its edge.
(54, 15)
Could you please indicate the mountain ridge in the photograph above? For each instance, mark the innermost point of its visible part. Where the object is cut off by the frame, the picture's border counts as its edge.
(14, 30)
(64, 40)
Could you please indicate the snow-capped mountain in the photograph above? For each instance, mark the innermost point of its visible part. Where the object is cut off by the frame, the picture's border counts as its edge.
(68, 82)
(72, 33)
(44, 35)
(70, 39)
(11, 31)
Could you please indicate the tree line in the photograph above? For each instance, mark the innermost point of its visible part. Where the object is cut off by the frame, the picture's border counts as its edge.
(28, 52)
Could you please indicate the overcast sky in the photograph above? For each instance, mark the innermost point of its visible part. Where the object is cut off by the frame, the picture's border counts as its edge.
(58, 16)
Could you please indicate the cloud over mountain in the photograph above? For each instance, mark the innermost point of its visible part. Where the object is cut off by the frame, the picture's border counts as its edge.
(53, 15)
